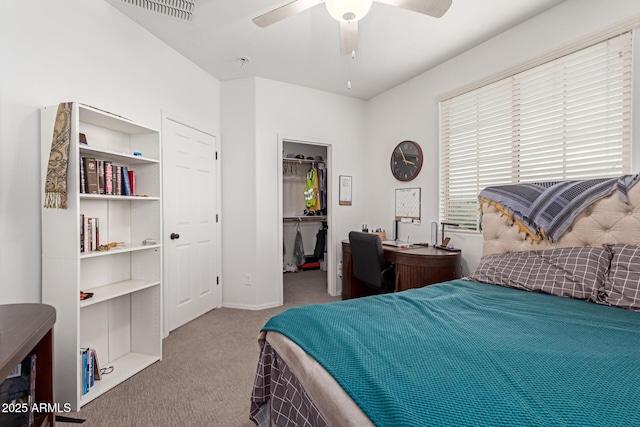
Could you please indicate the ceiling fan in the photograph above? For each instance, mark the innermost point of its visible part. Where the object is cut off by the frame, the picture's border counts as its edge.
(348, 13)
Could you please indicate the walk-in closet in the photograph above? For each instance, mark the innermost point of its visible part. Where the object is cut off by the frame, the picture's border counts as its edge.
(304, 213)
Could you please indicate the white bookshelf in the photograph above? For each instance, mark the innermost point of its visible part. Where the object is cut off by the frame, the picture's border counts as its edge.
(123, 320)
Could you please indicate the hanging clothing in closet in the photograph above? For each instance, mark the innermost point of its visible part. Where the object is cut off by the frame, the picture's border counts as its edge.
(312, 191)
(322, 179)
(315, 192)
(321, 237)
(298, 248)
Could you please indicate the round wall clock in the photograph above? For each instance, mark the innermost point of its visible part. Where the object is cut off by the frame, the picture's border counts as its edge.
(406, 160)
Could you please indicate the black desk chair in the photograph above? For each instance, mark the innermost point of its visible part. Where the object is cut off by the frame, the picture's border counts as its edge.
(369, 264)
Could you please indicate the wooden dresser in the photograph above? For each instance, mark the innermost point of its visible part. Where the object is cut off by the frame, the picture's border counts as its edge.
(27, 329)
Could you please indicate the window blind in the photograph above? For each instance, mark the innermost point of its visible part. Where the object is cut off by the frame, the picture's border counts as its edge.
(567, 119)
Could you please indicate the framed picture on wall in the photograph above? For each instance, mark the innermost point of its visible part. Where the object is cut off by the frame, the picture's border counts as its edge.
(345, 193)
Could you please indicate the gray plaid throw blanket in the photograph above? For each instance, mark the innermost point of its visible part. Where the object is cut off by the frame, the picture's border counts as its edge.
(547, 209)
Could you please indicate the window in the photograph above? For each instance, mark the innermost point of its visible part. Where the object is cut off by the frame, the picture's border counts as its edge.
(567, 119)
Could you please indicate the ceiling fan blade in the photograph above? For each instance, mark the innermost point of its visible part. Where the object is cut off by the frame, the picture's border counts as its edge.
(435, 8)
(283, 12)
(348, 37)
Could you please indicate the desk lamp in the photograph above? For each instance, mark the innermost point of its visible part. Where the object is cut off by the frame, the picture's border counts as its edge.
(447, 223)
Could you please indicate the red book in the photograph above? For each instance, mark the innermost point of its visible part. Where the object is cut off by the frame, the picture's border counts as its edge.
(132, 182)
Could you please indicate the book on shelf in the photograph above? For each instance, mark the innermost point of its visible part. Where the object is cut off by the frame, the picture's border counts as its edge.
(89, 234)
(126, 186)
(91, 377)
(19, 388)
(85, 226)
(90, 175)
(81, 233)
(82, 180)
(108, 178)
(82, 140)
(84, 369)
(96, 233)
(100, 165)
(103, 177)
(118, 183)
(132, 182)
(32, 386)
(89, 368)
(97, 375)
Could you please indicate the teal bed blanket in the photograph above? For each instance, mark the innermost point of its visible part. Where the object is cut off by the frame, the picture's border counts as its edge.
(466, 353)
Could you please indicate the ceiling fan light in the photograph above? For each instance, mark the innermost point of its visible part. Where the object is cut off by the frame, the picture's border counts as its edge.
(348, 10)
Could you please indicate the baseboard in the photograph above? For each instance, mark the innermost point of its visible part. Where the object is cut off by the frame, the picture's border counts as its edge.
(252, 307)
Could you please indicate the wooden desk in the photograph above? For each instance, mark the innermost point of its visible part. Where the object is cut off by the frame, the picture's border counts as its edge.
(27, 329)
(415, 267)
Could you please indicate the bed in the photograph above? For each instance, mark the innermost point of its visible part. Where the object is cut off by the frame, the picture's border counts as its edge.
(545, 331)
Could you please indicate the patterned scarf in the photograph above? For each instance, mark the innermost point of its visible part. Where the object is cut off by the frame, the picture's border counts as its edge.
(55, 190)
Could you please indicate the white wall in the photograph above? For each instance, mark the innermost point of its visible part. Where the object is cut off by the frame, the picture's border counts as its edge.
(85, 51)
(410, 111)
(238, 164)
(284, 111)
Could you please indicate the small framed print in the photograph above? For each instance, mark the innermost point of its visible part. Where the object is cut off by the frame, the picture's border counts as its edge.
(346, 187)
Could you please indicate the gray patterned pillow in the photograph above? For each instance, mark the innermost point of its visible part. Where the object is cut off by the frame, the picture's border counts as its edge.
(568, 272)
(622, 284)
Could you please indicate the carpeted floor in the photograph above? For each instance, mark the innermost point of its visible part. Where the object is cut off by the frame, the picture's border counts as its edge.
(206, 373)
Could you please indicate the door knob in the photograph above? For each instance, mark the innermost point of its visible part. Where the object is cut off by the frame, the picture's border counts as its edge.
(174, 236)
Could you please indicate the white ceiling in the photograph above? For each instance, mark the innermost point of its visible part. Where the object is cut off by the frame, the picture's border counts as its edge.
(394, 44)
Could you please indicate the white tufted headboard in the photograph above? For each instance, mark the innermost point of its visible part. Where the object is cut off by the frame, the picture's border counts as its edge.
(609, 220)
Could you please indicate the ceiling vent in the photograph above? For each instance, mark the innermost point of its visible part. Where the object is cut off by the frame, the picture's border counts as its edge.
(180, 9)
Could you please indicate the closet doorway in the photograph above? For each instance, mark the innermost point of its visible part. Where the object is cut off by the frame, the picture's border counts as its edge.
(306, 217)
